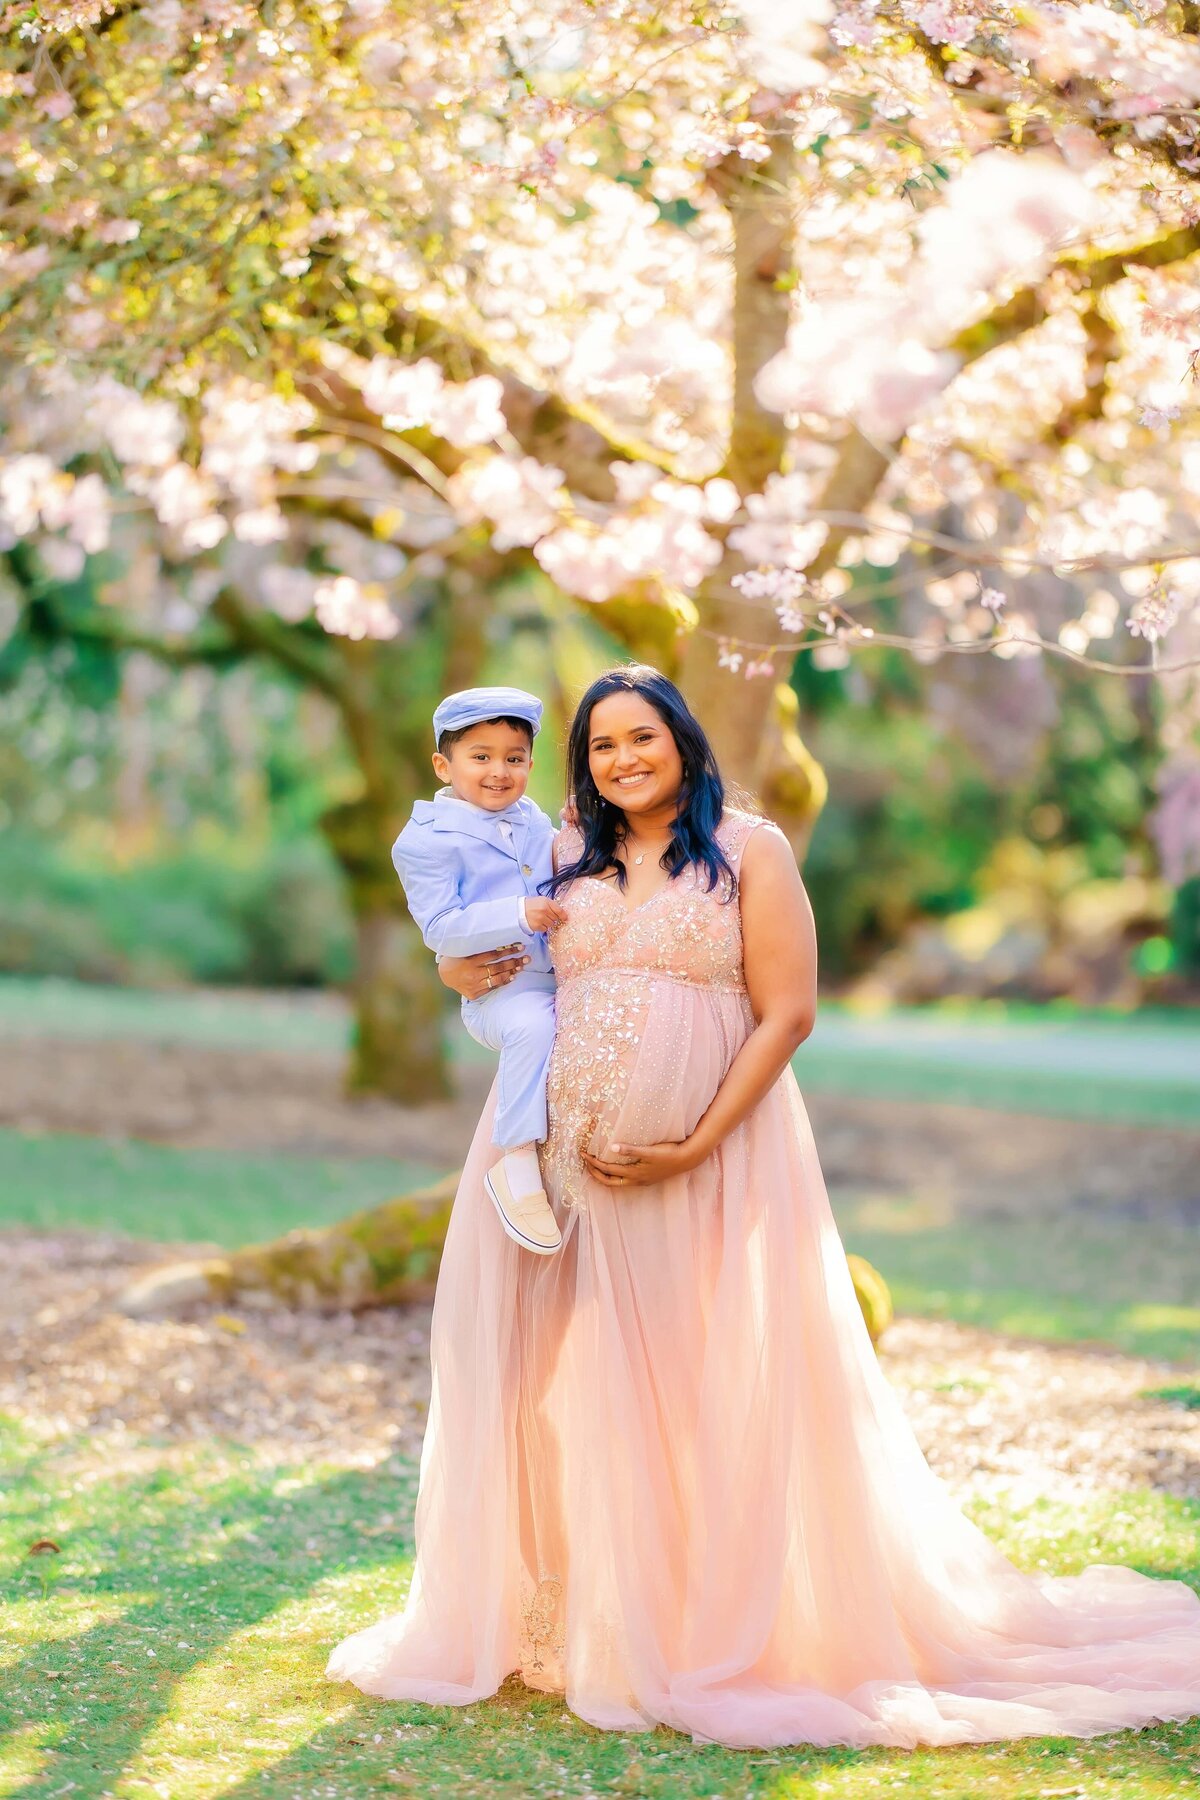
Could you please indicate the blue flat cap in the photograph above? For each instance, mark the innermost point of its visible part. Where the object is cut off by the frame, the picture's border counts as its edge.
(472, 705)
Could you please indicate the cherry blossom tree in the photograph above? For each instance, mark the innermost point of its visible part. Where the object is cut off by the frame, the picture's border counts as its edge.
(765, 330)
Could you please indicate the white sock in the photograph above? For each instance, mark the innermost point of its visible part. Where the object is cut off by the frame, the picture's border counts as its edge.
(524, 1174)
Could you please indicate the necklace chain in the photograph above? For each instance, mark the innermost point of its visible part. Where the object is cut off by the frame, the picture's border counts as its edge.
(627, 845)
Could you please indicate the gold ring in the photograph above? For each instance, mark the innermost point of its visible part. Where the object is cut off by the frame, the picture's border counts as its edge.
(489, 979)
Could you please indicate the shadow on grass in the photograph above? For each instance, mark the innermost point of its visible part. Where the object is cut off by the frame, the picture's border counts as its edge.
(199, 1668)
(175, 1566)
(521, 1745)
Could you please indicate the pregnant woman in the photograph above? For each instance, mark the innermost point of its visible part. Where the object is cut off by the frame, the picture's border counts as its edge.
(663, 1473)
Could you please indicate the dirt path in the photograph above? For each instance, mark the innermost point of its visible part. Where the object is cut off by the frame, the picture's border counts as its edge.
(353, 1389)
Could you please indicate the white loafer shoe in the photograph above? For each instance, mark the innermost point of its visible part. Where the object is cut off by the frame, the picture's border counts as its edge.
(528, 1221)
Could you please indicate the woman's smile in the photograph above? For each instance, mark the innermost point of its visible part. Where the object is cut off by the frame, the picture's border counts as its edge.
(633, 757)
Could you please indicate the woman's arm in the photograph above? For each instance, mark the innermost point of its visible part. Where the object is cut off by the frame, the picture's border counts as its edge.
(779, 949)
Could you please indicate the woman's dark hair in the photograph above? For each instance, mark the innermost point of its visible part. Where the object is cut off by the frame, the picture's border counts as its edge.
(701, 795)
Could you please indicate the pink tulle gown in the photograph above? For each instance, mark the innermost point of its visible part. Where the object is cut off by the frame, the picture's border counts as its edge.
(663, 1473)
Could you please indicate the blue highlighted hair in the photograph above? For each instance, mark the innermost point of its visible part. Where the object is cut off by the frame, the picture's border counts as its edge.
(701, 795)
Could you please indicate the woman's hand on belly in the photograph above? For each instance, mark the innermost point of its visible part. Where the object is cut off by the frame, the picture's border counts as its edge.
(644, 1165)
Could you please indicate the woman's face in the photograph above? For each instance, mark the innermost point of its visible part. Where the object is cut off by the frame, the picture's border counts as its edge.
(633, 758)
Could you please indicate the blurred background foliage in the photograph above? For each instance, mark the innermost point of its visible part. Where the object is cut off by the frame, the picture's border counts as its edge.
(986, 834)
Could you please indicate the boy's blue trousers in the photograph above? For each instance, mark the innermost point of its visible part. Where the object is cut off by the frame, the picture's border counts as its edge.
(518, 1021)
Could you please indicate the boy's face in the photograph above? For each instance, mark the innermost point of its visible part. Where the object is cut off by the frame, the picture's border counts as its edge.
(489, 765)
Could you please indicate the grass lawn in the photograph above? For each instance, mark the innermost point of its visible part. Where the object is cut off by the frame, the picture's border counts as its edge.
(179, 1647)
(1069, 1276)
(1139, 1068)
(173, 1649)
(157, 1191)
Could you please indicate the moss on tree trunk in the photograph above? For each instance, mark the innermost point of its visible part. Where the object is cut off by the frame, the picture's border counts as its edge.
(385, 1256)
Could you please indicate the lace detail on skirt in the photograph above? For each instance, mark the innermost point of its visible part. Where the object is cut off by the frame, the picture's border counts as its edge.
(543, 1633)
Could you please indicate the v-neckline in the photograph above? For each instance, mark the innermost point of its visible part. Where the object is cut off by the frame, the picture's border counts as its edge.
(629, 911)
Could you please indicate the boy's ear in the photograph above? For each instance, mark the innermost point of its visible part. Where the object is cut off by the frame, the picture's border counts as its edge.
(441, 766)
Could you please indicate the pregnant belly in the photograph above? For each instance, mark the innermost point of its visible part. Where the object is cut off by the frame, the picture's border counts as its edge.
(637, 1060)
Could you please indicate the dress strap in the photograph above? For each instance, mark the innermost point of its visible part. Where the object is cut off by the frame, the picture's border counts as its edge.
(568, 845)
(735, 831)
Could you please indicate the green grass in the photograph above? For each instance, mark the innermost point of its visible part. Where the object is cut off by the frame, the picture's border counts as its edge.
(1072, 1276)
(179, 1652)
(1093, 1276)
(156, 1191)
(35, 1006)
(179, 1647)
(1066, 1095)
(176, 1652)
(1137, 1068)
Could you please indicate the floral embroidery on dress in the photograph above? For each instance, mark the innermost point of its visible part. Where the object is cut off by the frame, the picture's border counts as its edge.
(608, 957)
(544, 1628)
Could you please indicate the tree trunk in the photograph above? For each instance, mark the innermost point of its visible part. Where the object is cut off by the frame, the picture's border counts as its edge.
(399, 1003)
(754, 724)
(387, 697)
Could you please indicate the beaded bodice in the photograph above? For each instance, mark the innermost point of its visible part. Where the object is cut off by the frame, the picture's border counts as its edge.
(647, 996)
(682, 931)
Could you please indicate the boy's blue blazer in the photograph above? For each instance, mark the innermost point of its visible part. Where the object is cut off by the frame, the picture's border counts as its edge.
(463, 877)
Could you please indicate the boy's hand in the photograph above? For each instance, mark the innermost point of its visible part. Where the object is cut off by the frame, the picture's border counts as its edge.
(541, 913)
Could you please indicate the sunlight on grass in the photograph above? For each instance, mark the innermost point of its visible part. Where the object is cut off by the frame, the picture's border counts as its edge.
(55, 1619)
(1098, 1769)
(23, 1758)
(1146, 1317)
(262, 1696)
(1075, 1276)
(182, 1654)
(223, 1196)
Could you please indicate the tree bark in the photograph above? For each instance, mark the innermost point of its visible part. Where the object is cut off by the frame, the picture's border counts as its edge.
(399, 1003)
(755, 727)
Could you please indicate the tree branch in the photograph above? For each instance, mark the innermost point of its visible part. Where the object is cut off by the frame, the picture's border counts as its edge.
(107, 626)
(1093, 272)
(263, 633)
(573, 434)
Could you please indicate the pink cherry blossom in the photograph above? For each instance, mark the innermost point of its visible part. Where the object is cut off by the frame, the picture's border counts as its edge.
(468, 412)
(348, 609)
(30, 487)
(1152, 616)
(260, 525)
(777, 531)
(523, 496)
(402, 393)
(288, 591)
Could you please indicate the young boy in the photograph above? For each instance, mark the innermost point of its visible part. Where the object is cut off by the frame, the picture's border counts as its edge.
(470, 861)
